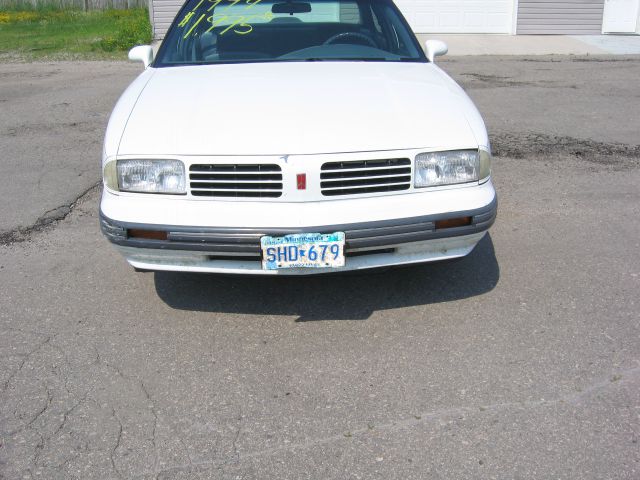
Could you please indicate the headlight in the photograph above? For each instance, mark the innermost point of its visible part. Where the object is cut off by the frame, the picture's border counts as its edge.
(452, 167)
(147, 176)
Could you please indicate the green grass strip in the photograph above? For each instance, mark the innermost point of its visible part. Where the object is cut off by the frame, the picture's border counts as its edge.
(47, 33)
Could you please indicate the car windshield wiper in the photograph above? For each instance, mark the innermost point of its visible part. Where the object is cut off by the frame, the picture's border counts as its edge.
(362, 59)
(344, 59)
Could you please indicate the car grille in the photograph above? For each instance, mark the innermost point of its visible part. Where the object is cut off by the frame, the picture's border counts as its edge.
(366, 176)
(236, 180)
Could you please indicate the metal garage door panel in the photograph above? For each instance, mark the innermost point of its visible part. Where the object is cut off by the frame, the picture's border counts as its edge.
(573, 17)
(462, 16)
(163, 13)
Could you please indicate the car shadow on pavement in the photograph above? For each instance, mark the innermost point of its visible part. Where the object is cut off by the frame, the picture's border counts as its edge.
(333, 297)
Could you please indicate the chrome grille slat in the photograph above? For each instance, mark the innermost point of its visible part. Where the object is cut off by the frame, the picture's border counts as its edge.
(236, 194)
(361, 190)
(349, 184)
(365, 176)
(232, 189)
(359, 173)
(224, 177)
(235, 167)
(236, 180)
(360, 169)
(236, 186)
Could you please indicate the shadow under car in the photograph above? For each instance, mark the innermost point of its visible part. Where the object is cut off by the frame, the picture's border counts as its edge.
(334, 296)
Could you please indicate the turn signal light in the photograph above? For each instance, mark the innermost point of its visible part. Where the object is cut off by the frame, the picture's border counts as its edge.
(148, 234)
(453, 222)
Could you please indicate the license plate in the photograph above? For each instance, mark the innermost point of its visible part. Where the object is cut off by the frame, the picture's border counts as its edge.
(303, 250)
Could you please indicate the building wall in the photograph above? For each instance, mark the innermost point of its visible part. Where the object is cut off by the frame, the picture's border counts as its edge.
(466, 16)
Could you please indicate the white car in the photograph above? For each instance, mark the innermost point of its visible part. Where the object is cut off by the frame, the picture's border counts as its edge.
(293, 137)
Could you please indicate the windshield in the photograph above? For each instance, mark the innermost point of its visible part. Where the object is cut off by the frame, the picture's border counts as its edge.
(238, 31)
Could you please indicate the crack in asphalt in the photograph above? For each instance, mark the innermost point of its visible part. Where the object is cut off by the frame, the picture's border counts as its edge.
(592, 59)
(61, 372)
(37, 415)
(34, 128)
(498, 81)
(512, 145)
(522, 145)
(38, 447)
(571, 398)
(155, 425)
(236, 453)
(66, 462)
(7, 382)
(99, 360)
(48, 218)
(65, 415)
(184, 446)
(117, 445)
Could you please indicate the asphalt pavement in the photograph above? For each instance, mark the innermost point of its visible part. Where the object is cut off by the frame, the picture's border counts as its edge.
(51, 129)
(520, 361)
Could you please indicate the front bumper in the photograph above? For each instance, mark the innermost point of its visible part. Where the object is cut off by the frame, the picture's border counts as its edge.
(369, 244)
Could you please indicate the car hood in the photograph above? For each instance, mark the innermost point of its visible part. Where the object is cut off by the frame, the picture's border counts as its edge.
(297, 108)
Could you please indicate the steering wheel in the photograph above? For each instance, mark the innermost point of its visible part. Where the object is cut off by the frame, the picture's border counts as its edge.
(339, 36)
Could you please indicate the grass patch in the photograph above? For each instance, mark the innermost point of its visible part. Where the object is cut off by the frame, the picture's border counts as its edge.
(48, 33)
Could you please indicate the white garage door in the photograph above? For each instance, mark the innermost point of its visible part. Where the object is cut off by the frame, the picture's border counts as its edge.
(462, 16)
(567, 17)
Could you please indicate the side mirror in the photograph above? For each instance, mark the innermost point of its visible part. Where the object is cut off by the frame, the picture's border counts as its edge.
(435, 48)
(142, 53)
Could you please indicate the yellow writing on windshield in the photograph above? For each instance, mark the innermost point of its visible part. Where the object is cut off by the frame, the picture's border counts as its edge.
(186, 19)
(195, 25)
(239, 24)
